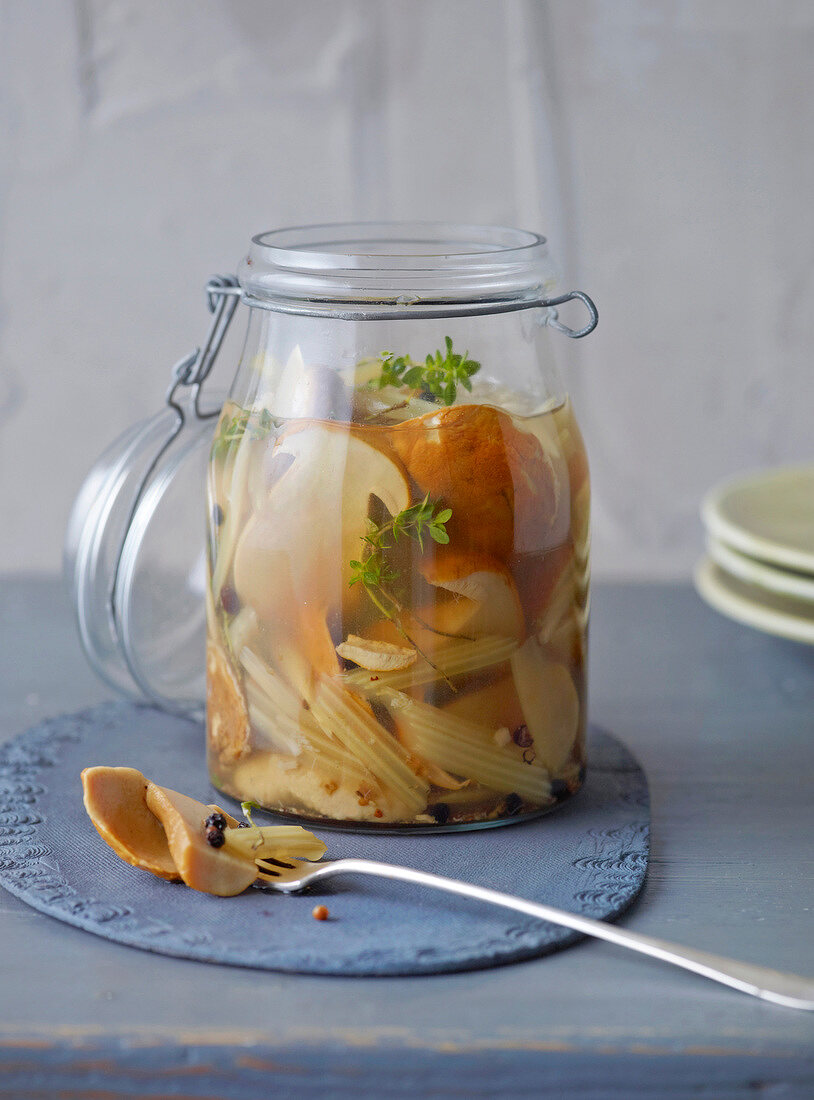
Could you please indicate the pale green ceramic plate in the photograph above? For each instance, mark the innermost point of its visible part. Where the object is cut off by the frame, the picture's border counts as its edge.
(768, 515)
(783, 582)
(767, 611)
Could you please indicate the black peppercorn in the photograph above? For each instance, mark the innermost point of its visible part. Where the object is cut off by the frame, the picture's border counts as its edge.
(440, 811)
(512, 804)
(214, 836)
(522, 738)
(229, 600)
(217, 819)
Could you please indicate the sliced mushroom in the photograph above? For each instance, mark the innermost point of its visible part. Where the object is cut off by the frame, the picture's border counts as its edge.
(292, 563)
(312, 392)
(550, 703)
(211, 870)
(487, 600)
(546, 584)
(502, 484)
(166, 833)
(572, 446)
(115, 799)
(227, 717)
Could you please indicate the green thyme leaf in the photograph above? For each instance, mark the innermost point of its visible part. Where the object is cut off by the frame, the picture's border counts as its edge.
(436, 380)
(257, 425)
(373, 570)
(247, 808)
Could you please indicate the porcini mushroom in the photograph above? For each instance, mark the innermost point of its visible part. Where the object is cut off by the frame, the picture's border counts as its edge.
(486, 598)
(178, 838)
(201, 866)
(115, 799)
(550, 703)
(495, 705)
(292, 563)
(502, 485)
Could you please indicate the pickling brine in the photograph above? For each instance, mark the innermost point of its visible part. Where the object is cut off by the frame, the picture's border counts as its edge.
(398, 600)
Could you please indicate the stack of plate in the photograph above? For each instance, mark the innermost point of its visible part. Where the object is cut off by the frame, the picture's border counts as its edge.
(759, 565)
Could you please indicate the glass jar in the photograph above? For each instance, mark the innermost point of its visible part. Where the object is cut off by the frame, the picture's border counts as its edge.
(397, 557)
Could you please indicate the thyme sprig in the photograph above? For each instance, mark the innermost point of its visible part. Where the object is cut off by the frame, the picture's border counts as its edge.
(258, 426)
(377, 575)
(418, 521)
(436, 379)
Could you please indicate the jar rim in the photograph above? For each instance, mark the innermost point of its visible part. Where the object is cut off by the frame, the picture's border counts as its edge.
(395, 266)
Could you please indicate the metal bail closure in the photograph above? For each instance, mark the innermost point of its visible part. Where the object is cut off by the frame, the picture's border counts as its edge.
(135, 547)
(553, 322)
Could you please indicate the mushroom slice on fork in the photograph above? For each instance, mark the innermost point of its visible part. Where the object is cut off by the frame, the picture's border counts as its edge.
(115, 799)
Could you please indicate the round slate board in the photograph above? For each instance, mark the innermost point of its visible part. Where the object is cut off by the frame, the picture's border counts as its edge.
(590, 856)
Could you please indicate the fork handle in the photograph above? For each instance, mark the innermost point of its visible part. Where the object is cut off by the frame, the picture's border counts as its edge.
(789, 990)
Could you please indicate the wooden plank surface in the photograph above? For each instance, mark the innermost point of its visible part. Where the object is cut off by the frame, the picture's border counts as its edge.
(723, 720)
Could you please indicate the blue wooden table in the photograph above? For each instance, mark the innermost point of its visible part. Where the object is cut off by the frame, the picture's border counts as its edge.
(723, 720)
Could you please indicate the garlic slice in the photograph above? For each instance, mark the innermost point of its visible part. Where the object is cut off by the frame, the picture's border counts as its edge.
(376, 656)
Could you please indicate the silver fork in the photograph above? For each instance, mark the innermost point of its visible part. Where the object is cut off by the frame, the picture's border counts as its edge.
(290, 875)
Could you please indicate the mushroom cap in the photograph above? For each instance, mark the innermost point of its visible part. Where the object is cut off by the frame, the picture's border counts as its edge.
(115, 799)
(502, 484)
(487, 602)
(202, 867)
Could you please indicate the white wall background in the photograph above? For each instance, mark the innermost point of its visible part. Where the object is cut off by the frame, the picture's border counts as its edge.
(666, 147)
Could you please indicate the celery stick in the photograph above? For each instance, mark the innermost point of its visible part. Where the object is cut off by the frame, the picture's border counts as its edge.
(453, 658)
(465, 748)
(341, 714)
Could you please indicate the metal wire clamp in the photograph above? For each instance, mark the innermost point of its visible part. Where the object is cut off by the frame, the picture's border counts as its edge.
(553, 322)
(188, 374)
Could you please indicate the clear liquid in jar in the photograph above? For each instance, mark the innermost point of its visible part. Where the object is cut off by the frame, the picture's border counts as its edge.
(471, 709)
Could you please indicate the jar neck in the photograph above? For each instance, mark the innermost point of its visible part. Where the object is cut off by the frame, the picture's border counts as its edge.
(377, 271)
(286, 354)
